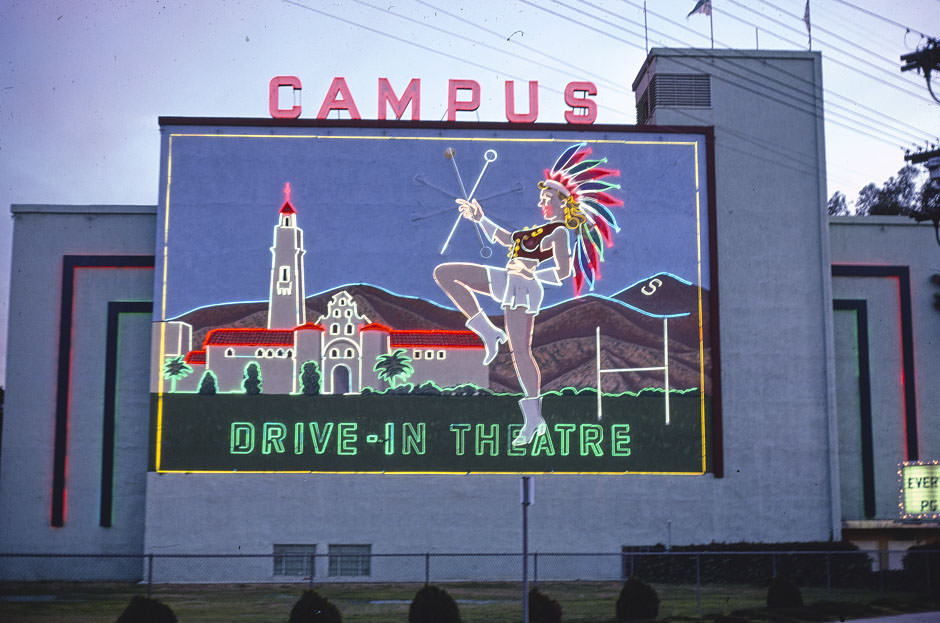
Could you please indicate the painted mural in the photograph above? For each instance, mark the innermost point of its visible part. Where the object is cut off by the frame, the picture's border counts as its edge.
(341, 300)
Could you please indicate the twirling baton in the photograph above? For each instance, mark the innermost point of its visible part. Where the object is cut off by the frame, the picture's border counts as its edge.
(488, 156)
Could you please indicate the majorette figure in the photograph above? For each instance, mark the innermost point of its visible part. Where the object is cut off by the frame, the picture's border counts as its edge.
(573, 198)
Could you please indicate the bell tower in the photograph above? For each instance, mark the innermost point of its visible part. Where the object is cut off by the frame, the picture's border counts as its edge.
(286, 300)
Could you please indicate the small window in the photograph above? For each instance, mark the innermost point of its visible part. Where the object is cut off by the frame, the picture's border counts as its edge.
(350, 560)
(334, 353)
(259, 353)
(348, 313)
(280, 353)
(349, 353)
(296, 560)
(441, 354)
(342, 301)
(349, 329)
(416, 354)
(285, 273)
(334, 329)
(429, 354)
(336, 313)
(290, 354)
(229, 352)
(270, 353)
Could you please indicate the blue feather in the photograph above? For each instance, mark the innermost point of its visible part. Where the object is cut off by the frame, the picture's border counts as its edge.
(566, 156)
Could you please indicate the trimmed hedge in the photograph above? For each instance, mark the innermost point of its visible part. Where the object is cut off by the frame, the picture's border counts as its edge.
(638, 601)
(313, 608)
(433, 605)
(922, 569)
(719, 562)
(146, 610)
(782, 593)
(542, 608)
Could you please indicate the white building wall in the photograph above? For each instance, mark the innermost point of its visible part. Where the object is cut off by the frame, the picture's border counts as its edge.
(882, 242)
(42, 235)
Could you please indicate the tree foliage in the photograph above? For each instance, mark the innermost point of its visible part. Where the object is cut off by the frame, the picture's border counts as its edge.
(837, 205)
(394, 367)
(252, 382)
(175, 369)
(208, 385)
(899, 195)
(310, 378)
(929, 209)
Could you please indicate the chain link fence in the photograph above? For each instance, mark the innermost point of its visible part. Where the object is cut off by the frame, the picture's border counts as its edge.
(920, 569)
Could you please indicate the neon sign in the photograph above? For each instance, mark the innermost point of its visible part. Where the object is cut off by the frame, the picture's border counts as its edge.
(462, 96)
(354, 341)
(920, 490)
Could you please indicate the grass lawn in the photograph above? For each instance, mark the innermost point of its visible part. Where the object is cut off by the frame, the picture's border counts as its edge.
(49, 602)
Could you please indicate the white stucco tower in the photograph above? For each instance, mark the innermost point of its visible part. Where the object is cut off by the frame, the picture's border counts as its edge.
(286, 300)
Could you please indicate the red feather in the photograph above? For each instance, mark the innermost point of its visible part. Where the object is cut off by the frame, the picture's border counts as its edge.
(608, 200)
(593, 174)
(604, 230)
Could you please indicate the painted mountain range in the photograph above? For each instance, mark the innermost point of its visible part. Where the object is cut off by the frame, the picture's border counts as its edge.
(564, 337)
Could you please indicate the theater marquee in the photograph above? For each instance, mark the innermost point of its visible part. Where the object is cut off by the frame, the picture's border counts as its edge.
(325, 304)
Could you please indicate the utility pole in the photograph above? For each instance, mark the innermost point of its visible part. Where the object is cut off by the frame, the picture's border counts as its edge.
(925, 59)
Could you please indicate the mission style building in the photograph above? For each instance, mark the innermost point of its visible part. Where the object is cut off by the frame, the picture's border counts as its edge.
(344, 344)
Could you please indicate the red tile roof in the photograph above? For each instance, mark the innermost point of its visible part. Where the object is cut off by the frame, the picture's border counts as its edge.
(249, 337)
(434, 339)
(375, 327)
(197, 357)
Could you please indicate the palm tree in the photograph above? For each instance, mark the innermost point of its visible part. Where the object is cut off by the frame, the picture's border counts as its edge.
(175, 369)
(393, 367)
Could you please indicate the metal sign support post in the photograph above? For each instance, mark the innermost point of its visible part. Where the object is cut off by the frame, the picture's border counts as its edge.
(528, 498)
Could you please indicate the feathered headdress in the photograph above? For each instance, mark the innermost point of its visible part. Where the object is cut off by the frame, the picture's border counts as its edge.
(587, 209)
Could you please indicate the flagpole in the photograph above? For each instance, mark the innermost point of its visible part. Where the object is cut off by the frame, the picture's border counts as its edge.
(809, 29)
(646, 35)
(711, 24)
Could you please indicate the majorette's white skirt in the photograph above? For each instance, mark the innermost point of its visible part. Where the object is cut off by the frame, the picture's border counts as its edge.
(512, 290)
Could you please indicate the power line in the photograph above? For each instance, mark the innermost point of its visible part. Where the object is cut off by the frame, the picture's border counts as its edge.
(892, 75)
(881, 17)
(880, 120)
(586, 72)
(761, 81)
(416, 44)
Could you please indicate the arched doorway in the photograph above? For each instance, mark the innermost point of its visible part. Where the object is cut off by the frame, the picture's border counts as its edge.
(340, 380)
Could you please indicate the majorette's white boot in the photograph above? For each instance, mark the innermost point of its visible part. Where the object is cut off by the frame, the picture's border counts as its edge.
(491, 335)
(533, 425)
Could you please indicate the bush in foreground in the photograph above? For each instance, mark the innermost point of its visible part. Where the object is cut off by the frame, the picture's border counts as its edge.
(542, 608)
(782, 593)
(146, 610)
(637, 601)
(313, 608)
(433, 605)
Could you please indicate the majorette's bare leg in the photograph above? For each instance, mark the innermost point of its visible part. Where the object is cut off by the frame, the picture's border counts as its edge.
(460, 281)
(519, 325)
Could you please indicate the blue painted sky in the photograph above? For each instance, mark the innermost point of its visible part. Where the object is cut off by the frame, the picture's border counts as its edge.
(377, 210)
